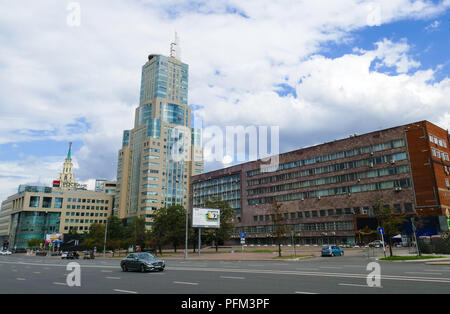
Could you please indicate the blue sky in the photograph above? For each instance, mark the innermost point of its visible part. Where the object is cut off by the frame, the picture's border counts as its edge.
(301, 66)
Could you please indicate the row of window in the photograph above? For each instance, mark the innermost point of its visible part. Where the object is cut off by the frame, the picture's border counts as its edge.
(320, 226)
(369, 162)
(349, 177)
(439, 154)
(438, 141)
(402, 183)
(338, 155)
(81, 221)
(85, 228)
(87, 214)
(87, 207)
(86, 200)
(408, 208)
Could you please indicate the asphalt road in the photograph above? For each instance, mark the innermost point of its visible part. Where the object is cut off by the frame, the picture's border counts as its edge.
(329, 275)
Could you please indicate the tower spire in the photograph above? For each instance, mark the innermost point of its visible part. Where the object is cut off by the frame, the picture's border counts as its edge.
(69, 152)
(175, 51)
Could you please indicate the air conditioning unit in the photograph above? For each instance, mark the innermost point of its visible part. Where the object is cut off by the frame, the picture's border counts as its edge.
(392, 162)
(371, 165)
(398, 189)
(365, 212)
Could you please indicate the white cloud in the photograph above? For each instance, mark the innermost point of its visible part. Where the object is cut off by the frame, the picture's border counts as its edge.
(82, 83)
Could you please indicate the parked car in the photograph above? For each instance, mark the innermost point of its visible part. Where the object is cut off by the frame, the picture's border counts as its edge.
(70, 255)
(5, 252)
(376, 244)
(332, 250)
(89, 255)
(142, 262)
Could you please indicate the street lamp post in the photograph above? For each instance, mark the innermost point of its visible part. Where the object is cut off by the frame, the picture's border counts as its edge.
(186, 238)
(104, 243)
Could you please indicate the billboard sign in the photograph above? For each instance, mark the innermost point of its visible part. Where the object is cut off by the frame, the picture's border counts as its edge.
(205, 218)
(56, 183)
(54, 237)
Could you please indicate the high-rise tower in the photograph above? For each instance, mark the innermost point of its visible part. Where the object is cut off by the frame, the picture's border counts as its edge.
(161, 152)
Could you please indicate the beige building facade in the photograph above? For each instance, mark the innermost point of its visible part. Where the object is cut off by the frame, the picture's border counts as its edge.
(35, 211)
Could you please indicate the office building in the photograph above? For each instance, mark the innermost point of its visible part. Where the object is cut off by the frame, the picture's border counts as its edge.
(35, 211)
(329, 192)
(161, 153)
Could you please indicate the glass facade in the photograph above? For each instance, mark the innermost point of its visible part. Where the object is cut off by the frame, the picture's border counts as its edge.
(35, 225)
(227, 188)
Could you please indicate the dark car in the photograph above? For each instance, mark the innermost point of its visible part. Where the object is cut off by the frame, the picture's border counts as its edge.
(71, 255)
(142, 262)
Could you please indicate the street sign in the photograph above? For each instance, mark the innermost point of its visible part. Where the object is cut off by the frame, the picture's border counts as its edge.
(380, 230)
(243, 235)
(448, 224)
(447, 213)
(242, 240)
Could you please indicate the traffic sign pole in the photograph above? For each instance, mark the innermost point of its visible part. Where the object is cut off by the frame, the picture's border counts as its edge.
(381, 231)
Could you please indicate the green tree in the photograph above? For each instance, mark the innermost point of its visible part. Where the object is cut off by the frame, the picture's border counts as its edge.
(390, 220)
(278, 227)
(135, 233)
(115, 234)
(95, 237)
(160, 228)
(35, 243)
(177, 225)
(169, 226)
(223, 233)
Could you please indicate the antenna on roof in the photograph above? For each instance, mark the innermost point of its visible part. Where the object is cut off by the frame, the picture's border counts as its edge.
(175, 51)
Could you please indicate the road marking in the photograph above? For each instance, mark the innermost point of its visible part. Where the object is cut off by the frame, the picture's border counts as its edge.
(36, 272)
(20, 279)
(355, 285)
(124, 291)
(106, 271)
(303, 292)
(112, 277)
(330, 267)
(306, 268)
(59, 283)
(230, 277)
(256, 265)
(185, 283)
(422, 273)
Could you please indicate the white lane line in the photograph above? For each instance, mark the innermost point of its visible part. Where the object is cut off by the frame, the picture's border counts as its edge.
(255, 265)
(330, 267)
(305, 268)
(59, 283)
(356, 285)
(112, 277)
(36, 272)
(185, 283)
(20, 279)
(124, 291)
(303, 292)
(422, 273)
(106, 271)
(231, 277)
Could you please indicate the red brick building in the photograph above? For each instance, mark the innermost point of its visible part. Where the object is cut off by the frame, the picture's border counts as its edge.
(328, 192)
